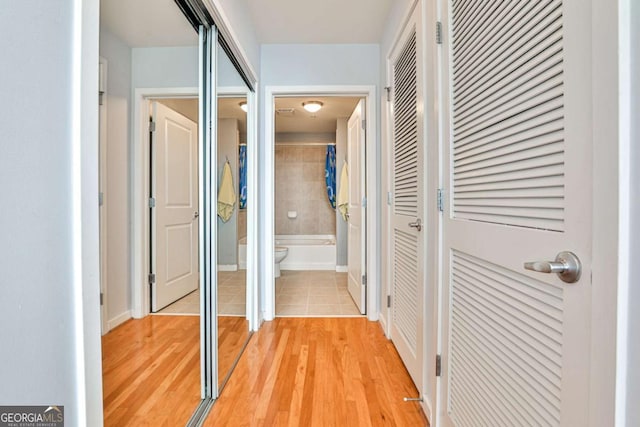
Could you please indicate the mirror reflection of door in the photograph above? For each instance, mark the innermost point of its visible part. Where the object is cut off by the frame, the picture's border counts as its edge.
(233, 327)
(174, 211)
(151, 363)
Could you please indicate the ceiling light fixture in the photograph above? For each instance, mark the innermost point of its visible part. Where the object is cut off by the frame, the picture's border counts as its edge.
(243, 105)
(312, 106)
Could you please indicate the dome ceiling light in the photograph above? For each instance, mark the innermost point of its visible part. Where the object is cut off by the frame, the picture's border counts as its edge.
(312, 106)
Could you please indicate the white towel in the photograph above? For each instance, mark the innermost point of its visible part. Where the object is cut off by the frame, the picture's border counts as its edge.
(226, 194)
(343, 193)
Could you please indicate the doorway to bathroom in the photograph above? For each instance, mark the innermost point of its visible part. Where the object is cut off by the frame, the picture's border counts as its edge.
(319, 206)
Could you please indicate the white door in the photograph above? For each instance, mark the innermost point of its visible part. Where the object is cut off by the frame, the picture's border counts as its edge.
(356, 235)
(515, 343)
(407, 263)
(175, 216)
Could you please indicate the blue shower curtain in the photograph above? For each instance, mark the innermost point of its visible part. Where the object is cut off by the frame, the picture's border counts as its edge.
(330, 174)
(243, 176)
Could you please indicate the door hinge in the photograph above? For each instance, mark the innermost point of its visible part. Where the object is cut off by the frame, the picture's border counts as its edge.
(440, 200)
(101, 298)
(388, 90)
(152, 126)
(364, 202)
(438, 365)
(388, 301)
(100, 98)
(100, 198)
(364, 280)
(152, 278)
(389, 198)
(439, 32)
(364, 125)
(152, 202)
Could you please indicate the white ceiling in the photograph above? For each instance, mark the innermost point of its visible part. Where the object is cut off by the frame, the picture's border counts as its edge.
(158, 23)
(229, 108)
(147, 23)
(323, 121)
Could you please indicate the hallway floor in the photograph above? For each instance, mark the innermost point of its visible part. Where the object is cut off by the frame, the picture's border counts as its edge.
(318, 372)
(314, 294)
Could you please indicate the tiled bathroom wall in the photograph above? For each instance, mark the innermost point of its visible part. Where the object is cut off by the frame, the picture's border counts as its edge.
(300, 187)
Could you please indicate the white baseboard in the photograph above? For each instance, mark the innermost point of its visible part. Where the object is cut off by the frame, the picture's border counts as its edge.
(342, 268)
(119, 319)
(383, 324)
(227, 267)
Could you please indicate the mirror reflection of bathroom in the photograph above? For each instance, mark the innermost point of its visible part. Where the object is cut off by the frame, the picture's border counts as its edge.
(233, 327)
(318, 232)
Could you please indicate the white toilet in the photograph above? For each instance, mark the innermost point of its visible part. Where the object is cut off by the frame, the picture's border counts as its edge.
(280, 254)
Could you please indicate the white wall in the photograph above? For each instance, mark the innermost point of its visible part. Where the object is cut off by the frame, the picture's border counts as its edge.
(161, 67)
(117, 192)
(49, 308)
(309, 65)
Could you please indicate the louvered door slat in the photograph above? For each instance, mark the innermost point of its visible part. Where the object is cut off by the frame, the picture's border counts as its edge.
(510, 87)
(535, 51)
(405, 131)
(491, 42)
(507, 114)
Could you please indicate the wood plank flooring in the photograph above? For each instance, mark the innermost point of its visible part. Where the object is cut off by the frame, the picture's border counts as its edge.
(151, 371)
(318, 372)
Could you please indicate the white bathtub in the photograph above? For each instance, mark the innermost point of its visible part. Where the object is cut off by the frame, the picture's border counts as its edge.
(306, 252)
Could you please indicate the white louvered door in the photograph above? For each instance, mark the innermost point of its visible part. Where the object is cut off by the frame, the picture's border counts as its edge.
(407, 288)
(517, 159)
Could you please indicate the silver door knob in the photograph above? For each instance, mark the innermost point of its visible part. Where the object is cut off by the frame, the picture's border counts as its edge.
(567, 266)
(417, 225)
(196, 215)
(347, 216)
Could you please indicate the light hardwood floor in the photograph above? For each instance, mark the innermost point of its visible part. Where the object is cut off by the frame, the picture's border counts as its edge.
(295, 371)
(318, 372)
(151, 371)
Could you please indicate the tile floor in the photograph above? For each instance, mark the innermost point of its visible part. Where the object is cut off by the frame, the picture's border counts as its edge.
(314, 294)
(298, 293)
(187, 305)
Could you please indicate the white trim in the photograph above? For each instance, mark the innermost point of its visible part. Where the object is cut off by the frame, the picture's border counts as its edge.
(230, 36)
(253, 292)
(140, 189)
(625, 160)
(119, 319)
(304, 266)
(227, 267)
(605, 265)
(86, 405)
(373, 185)
(103, 137)
(342, 268)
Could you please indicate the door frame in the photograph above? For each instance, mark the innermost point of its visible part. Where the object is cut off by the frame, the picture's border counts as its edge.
(432, 181)
(372, 179)
(103, 193)
(140, 235)
(141, 183)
